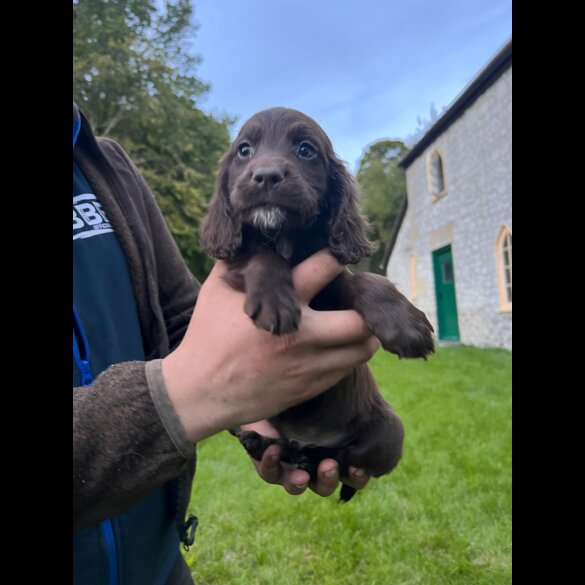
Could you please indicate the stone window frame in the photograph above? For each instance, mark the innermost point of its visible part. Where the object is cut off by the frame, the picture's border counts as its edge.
(432, 157)
(503, 287)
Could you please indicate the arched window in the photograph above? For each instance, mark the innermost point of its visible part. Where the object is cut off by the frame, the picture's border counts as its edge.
(436, 175)
(504, 264)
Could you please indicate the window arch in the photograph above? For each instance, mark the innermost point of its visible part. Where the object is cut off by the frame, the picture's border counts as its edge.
(436, 175)
(504, 264)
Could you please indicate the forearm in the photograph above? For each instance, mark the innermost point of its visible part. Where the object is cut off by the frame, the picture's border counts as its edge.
(199, 399)
(127, 440)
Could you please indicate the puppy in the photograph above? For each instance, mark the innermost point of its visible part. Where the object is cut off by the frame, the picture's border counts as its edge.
(281, 195)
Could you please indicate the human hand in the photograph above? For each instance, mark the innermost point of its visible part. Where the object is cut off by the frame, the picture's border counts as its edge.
(295, 480)
(226, 372)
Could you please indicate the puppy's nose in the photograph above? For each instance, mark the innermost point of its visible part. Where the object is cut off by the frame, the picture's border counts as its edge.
(268, 176)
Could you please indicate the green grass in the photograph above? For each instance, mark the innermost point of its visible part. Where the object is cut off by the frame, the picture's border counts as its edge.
(443, 516)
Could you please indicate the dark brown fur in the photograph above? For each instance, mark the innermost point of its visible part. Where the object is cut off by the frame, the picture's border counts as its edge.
(282, 194)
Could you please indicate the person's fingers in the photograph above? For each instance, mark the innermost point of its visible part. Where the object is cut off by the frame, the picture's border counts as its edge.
(357, 478)
(330, 328)
(327, 478)
(311, 275)
(295, 481)
(269, 469)
(347, 357)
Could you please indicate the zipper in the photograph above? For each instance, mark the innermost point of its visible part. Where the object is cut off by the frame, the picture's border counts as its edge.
(76, 128)
(82, 361)
(81, 351)
(187, 527)
(108, 533)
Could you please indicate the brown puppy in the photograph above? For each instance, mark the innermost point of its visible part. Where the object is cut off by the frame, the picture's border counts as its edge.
(281, 195)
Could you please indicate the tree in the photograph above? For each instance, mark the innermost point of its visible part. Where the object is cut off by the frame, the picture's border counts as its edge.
(134, 77)
(423, 125)
(383, 186)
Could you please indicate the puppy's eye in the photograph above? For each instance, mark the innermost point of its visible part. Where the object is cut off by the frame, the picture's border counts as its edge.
(306, 150)
(245, 150)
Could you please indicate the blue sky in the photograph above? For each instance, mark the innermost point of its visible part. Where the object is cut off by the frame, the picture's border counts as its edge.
(364, 70)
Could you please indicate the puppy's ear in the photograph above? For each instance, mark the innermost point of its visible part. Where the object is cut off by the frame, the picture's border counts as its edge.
(348, 241)
(221, 232)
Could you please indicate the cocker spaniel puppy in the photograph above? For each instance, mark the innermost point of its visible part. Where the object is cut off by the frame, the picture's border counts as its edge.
(281, 195)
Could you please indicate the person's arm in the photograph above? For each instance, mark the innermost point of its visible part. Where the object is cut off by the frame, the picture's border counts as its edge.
(177, 287)
(127, 441)
(135, 426)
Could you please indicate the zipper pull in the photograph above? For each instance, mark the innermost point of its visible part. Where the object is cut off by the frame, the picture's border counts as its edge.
(86, 377)
(188, 536)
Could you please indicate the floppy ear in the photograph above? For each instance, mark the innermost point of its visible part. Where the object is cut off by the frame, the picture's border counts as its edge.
(221, 233)
(348, 241)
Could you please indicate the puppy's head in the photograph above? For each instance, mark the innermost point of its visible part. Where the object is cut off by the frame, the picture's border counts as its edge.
(281, 175)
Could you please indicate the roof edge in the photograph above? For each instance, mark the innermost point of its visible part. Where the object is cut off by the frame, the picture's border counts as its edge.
(483, 81)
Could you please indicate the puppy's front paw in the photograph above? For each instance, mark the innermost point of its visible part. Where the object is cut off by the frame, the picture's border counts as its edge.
(393, 319)
(409, 335)
(277, 311)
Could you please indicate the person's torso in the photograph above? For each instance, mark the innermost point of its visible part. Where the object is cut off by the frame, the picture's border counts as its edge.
(140, 545)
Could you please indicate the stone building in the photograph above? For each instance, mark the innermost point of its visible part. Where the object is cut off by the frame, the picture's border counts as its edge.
(451, 252)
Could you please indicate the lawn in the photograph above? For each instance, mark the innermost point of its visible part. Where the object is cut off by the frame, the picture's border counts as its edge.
(443, 516)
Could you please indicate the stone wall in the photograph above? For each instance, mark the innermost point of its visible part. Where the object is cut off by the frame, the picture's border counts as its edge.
(477, 161)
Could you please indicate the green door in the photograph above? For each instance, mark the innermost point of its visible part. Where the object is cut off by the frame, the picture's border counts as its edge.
(445, 292)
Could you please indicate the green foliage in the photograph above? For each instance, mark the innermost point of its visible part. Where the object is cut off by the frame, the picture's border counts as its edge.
(134, 77)
(442, 517)
(383, 186)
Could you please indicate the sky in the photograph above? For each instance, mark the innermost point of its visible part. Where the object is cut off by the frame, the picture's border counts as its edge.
(363, 69)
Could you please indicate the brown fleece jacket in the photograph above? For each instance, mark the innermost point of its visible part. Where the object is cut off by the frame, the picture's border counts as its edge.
(127, 437)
